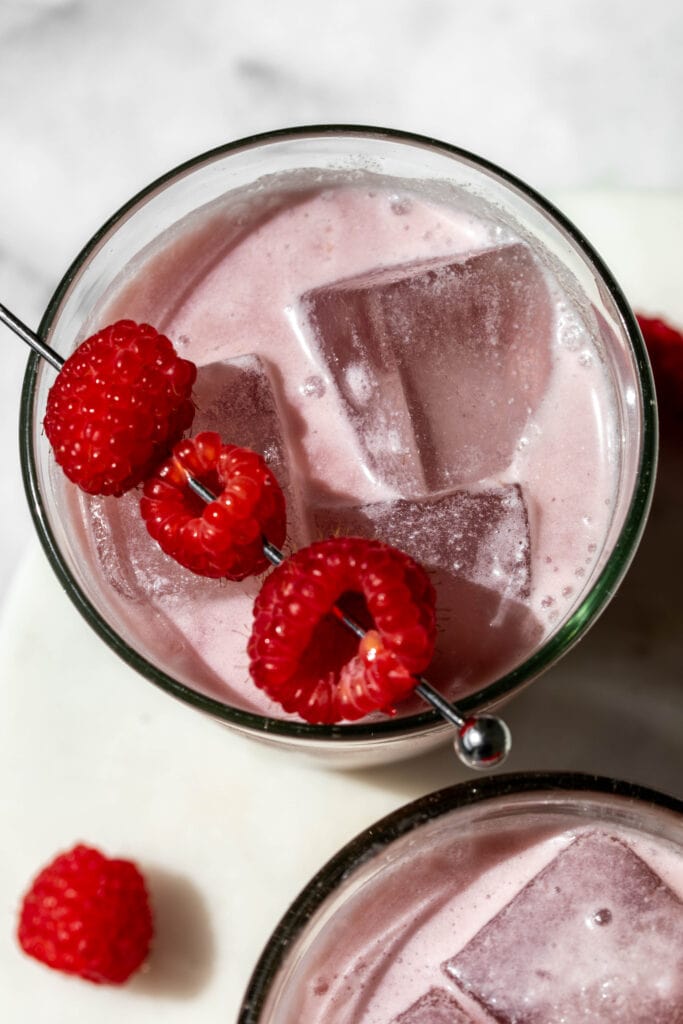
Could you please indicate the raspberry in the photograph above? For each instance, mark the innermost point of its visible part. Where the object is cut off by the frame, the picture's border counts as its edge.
(223, 538)
(119, 403)
(87, 915)
(305, 659)
(665, 346)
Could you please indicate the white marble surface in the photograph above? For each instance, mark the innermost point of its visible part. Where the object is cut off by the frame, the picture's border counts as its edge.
(583, 100)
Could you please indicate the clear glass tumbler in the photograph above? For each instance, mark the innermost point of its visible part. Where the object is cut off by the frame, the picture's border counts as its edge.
(322, 157)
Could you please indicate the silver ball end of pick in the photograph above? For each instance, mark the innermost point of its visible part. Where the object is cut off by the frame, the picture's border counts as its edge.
(483, 742)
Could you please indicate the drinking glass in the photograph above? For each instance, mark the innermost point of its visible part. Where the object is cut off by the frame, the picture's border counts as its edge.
(458, 856)
(344, 153)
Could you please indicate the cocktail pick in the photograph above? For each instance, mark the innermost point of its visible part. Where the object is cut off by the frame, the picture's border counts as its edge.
(481, 741)
(31, 338)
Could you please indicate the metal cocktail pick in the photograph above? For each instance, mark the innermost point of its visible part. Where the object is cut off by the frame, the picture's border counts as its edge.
(481, 742)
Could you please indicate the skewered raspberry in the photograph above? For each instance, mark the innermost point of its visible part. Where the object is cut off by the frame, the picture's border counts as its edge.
(223, 538)
(308, 661)
(118, 405)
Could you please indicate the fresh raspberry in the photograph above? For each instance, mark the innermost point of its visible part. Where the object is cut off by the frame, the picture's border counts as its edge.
(309, 662)
(118, 405)
(223, 538)
(87, 915)
(665, 346)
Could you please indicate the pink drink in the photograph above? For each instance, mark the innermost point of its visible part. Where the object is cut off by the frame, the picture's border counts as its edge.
(425, 352)
(518, 910)
(410, 371)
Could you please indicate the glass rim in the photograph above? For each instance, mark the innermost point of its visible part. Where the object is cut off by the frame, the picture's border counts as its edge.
(381, 834)
(557, 644)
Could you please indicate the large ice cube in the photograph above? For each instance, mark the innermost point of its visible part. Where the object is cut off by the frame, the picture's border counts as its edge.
(475, 546)
(438, 363)
(596, 936)
(435, 1007)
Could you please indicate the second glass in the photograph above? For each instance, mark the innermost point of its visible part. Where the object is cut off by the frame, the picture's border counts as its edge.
(520, 899)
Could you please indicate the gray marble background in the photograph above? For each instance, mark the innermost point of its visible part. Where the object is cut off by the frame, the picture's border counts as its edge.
(98, 97)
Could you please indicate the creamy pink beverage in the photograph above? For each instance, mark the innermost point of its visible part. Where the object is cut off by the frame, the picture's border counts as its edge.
(519, 915)
(412, 370)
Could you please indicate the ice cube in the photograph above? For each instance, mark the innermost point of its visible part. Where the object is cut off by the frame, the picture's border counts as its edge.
(481, 535)
(235, 398)
(144, 584)
(113, 560)
(475, 546)
(596, 936)
(435, 1007)
(131, 562)
(437, 363)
